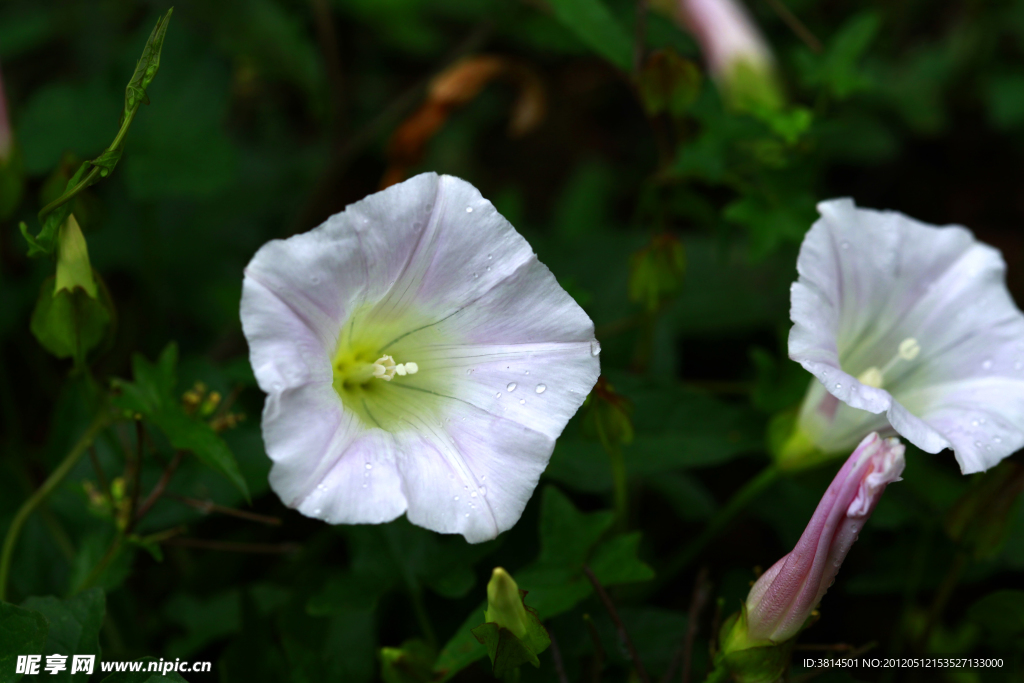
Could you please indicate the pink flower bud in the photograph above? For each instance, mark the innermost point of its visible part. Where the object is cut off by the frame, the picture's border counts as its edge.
(785, 595)
(736, 53)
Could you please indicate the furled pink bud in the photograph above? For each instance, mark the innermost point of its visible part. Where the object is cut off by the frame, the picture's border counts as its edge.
(785, 595)
(736, 53)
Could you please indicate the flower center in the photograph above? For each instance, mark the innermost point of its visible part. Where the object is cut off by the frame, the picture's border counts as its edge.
(372, 385)
(875, 377)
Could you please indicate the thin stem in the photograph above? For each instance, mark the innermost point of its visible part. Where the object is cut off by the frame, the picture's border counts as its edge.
(747, 493)
(208, 506)
(639, 36)
(69, 462)
(795, 25)
(620, 481)
(942, 596)
(422, 617)
(136, 476)
(100, 476)
(102, 565)
(619, 626)
(556, 656)
(701, 593)
(599, 654)
(158, 490)
(234, 547)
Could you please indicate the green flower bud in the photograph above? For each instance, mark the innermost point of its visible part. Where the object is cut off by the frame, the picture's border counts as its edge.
(505, 604)
(656, 271)
(73, 267)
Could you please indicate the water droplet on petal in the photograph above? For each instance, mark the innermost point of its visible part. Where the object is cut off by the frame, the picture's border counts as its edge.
(369, 466)
(488, 267)
(541, 388)
(838, 385)
(527, 372)
(317, 511)
(483, 490)
(469, 209)
(456, 498)
(489, 257)
(511, 386)
(595, 348)
(974, 423)
(997, 439)
(977, 444)
(498, 395)
(467, 514)
(522, 401)
(483, 478)
(473, 495)
(476, 275)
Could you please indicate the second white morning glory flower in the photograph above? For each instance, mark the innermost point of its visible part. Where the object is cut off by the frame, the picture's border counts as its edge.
(908, 327)
(417, 359)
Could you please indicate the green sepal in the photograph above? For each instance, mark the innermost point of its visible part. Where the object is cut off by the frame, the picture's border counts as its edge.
(745, 661)
(70, 324)
(508, 651)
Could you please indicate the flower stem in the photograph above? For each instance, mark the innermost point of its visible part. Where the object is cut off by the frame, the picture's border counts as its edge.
(747, 493)
(620, 482)
(98, 424)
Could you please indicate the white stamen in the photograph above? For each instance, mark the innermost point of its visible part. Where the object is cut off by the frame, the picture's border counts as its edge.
(385, 368)
(909, 348)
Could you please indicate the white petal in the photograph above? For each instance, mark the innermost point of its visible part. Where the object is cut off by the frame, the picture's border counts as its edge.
(870, 280)
(284, 352)
(471, 475)
(525, 334)
(321, 455)
(457, 255)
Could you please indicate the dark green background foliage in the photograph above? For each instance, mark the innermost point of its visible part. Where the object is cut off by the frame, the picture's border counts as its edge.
(269, 115)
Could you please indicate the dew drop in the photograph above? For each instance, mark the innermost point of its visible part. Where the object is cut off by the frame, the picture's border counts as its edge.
(838, 385)
(467, 514)
(527, 372)
(595, 348)
(483, 490)
(982, 420)
(987, 447)
(470, 371)
(364, 484)
(488, 267)
(476, 275)
(987, 364)
(317, 511)
(473, 495)
(369, 466)
(977, 444)
(511, 387)
(456, 498)
(483, 478)
(997, 439)
(974, 423)
(489, 257)
(541, 388)
(498, 395)
(522, 401)
(321, 487)
(469, 209)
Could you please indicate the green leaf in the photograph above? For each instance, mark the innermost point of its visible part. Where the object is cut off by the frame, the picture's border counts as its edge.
(594, 24)
(22, 632)
(411, 663)
(152, 395)
(145, 676)
(615, 561)
(74, 627)
(838, 69)
(68, 324)
(1001, 613)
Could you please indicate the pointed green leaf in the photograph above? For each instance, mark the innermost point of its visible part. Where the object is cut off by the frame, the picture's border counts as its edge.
(22, 632)
(594, 24)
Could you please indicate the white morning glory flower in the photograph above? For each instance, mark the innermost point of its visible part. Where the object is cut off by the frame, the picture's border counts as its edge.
(418, 359)
(908, 327)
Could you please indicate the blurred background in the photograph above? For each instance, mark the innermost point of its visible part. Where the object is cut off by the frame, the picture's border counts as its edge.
(672, 218)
